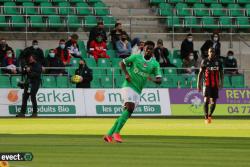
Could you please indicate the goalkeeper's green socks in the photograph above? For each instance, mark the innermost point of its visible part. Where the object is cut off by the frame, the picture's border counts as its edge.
(119, 122)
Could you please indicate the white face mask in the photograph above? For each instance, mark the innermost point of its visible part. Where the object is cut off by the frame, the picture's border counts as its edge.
(215, 38)
(62, 46)
(35, 46)
(230, 57)
(9, 55)
(191, 57)
(190, 39)
(52, 55)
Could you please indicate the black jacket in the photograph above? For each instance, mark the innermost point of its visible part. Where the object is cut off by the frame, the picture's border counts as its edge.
(55, 62)
(230, 63)
(207, 45)
(34, 76)
(186, 48)
(39, 55)
(162, 53)
(87, 76)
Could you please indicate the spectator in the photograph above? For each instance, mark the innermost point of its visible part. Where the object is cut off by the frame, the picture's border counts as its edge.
(99, 29)
(63, 53)
(86, 75)
(116, 33)
(98, 48)
(187, 47)
(161, 55)
(190, 64)
(4, 47)
(54, 61)
(230, 63)
(214, 42)
(138, 47)
(73, 47)
(9, 62)
(35, 51)
(123, 46)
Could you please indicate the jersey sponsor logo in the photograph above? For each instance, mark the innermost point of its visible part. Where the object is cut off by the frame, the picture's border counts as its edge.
(213, 68)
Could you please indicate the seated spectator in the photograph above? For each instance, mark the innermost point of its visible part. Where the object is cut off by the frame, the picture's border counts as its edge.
(63, 53)
(230, 62)
(99, 29)
(98, 48)
(9, 63)
(161, 55)
(53, 61)
(214, 42)
(73, 47)
(138, 47)
(4, 47)
(123, 47)
(36, 51)
(187, 47)
(86, 73)
(116, 33)
(190, 64)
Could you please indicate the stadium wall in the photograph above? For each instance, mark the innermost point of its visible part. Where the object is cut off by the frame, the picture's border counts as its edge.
(107, 102)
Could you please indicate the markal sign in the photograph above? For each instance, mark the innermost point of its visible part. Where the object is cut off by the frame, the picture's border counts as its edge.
(108, 102)
(50, 102)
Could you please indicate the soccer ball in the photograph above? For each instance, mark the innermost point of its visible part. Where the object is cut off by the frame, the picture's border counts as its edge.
(76, 79)
(4, 164)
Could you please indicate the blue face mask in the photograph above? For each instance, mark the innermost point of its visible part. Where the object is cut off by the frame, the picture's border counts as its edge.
(62, 46)
(52, 55)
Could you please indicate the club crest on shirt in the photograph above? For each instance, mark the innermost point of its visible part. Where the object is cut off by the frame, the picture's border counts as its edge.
(145, 65)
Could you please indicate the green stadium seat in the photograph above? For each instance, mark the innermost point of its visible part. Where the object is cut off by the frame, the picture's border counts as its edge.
(94, 1)
(227, 81)
(18, 52)
(192, 1)
(76, 1)
(226, 22)
(191, 22)
(39, 1)
(99, 72)
(109, 21)
(47, 8)
(5, 81)
(235, 10)
(201, 10)
(29, 8)
(238, 81)
(175, 1)
(210, 1)
(107, 82)
(3, 22)
(168, 82)
(10, 8)
(174, 22)
(170, 71)
(14, 80)
(110, 45)
(82, 9)
(48, 81)
(37, 22)
(71, 70)
(64, 8)
(242, 22)
(218, 10)
(90, 62)
(90, 21)
(111, 53)
(227, 1)
(54, 21)
(115, 62)
(243, 1)
(165, 9)
(247, 6)
(103, 62)
(18, 21)
(95, 83)
(156, 2)
(177, 53)
(101, 9)
(209, 23)
(181, 9)
(119, 79)
(58, 1)
(62, 81)
(74, 62)
(177, 62)
(73, 21)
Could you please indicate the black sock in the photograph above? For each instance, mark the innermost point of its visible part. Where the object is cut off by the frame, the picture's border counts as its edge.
(212, 108)
(206, 109)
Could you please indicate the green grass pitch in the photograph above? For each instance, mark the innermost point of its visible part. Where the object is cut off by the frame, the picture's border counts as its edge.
(77, 142)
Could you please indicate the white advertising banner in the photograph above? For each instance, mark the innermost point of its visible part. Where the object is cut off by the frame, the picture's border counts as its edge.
(108, 102)
(51, 102)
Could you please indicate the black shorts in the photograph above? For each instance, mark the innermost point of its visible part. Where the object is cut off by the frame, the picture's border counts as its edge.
(211, 92)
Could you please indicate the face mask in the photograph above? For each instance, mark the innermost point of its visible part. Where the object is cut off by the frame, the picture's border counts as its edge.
(215, 38)
(35, 46)
(191, 57)
(190, 39)
(99, 39)
(62, 46)
(9, 55)
(52, 55)
(230, 57)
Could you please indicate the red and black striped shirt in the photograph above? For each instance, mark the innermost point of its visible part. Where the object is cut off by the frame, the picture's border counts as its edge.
(212, 68)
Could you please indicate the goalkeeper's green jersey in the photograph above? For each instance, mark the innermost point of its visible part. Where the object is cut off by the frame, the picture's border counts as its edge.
(139, 70)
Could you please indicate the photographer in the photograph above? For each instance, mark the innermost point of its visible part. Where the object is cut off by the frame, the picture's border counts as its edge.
(31, 74)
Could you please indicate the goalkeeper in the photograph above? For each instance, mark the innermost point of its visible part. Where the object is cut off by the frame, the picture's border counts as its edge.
(85, 74)
(141, 67)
